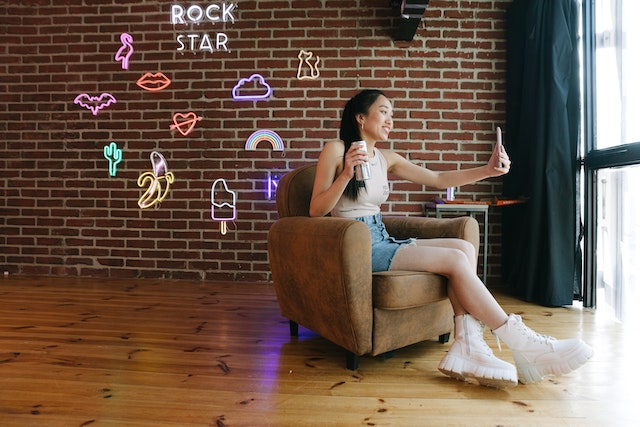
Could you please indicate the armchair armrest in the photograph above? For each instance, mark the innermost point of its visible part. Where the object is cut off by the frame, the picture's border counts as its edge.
(321, 269)
(465, 227)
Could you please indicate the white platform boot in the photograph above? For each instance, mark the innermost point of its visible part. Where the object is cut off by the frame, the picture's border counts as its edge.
(538, 356)
(470, 358)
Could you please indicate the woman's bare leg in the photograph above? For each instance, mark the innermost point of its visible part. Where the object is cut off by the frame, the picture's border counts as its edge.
(456, 260)
(466, 247)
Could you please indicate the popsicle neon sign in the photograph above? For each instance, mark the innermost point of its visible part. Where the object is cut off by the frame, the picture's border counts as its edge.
(226, 210)
(195, 15)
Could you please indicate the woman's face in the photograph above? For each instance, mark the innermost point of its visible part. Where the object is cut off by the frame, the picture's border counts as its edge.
(378, 122)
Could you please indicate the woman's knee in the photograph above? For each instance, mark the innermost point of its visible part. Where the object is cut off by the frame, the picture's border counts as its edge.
(471, 251)
(460, 257)
(466, 246)
(449, 261)
(454, 262)
(468, 249)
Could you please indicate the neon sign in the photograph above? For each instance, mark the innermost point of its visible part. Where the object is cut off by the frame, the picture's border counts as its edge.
(205, 42)
(94, 103)
(228, 208)
(305, 58)
(195, 15)
(272, 184)
(264, 135)
(114, 155)
(126, 50)
(153, 82)
(155, 193)
(184, 123)
(260, 89)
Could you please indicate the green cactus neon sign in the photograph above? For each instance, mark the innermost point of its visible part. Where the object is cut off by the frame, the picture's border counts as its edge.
(114, 155)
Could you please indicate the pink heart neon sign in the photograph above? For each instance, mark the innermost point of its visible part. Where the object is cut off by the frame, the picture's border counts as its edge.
(184, 123)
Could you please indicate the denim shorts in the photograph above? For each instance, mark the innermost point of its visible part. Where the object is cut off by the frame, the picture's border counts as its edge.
(383, 247)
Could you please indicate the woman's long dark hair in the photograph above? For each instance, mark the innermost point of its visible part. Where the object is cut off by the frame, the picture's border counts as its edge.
(350, 131)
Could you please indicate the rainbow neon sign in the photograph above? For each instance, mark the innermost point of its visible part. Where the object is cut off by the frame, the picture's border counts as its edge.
(264, 135)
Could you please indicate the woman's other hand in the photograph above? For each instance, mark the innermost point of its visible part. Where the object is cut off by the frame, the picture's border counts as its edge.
(355, 156)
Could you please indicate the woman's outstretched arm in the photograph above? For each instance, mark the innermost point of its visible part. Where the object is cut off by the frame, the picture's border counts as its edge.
(497, 165)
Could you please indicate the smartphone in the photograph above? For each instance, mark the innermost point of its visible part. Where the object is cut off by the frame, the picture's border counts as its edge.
(499, 141)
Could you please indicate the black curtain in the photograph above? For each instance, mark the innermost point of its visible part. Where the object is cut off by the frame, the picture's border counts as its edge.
(540, 239)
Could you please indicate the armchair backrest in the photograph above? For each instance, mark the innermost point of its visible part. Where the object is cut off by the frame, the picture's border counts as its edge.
(293, 195)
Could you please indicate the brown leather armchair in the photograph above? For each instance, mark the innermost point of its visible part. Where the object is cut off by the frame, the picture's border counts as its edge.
(321, 269)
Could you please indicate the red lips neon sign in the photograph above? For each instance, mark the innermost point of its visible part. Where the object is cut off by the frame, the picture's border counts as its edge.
(153, 82)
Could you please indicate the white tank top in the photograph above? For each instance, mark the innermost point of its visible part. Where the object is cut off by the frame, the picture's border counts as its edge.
(369, 201)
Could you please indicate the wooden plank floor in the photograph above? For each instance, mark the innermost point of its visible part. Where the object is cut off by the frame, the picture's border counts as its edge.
(92, 352)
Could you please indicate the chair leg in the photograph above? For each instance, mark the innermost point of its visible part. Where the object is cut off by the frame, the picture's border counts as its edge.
(444, 338)
(293, 328)
(353, 360)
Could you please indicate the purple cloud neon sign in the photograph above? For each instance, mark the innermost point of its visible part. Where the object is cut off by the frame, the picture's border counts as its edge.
(261, 89)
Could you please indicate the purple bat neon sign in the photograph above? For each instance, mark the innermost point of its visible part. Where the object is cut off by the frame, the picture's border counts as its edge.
(94, 103)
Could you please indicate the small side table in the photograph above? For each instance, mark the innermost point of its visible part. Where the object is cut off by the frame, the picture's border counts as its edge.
(469, 208)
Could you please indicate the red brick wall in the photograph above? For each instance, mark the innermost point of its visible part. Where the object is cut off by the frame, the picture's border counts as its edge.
(61, 212)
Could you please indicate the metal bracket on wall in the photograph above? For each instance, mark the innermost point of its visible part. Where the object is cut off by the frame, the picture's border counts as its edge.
(411, 12)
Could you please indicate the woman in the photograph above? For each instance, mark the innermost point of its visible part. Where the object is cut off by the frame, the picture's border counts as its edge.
(368, 116)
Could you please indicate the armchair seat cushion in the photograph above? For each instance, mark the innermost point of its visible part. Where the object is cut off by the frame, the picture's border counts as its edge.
(401, 290)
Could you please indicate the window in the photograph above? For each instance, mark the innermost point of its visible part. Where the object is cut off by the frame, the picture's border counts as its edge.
(612, 160)
(618, 250)
(617, 59)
